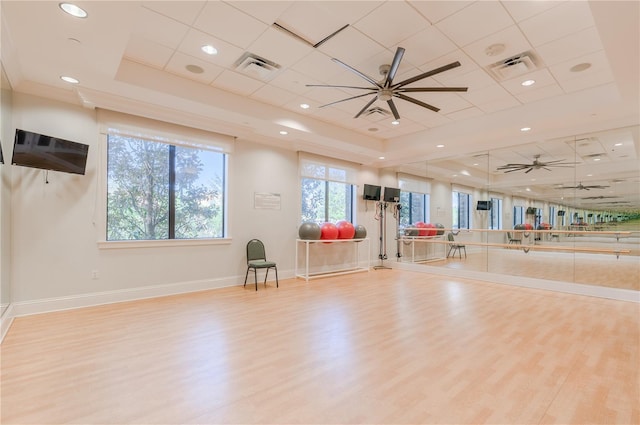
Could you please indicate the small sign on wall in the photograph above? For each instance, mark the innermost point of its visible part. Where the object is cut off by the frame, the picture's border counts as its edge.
(266, 201)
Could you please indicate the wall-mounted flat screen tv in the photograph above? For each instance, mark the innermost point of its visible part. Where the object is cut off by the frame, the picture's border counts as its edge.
(49, 153)
(371, 192)
(531, 210)
(560, 213)
(483, 206)
(391, 194)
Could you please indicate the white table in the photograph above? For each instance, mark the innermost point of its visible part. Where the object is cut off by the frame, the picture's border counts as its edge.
(306, 243)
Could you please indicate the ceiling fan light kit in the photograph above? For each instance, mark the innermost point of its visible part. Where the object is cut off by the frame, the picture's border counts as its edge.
(385, 90)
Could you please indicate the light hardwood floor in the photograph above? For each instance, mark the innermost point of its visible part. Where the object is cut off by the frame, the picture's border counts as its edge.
(387, 346)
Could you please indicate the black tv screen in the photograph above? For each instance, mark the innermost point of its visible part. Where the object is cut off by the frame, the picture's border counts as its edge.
(483, 206)
(560, 213)
(391, 194)
(49, 153)
(371, 192)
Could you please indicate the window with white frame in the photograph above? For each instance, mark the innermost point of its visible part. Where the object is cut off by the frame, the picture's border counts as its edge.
(552, 215)
(460, 206)
(518, 215)
(327, 189)
(414, 199)
(495, 218)
(161, 185)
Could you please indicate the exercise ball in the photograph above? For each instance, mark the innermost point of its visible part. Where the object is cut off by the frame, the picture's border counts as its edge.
(345, 229)
(328, 231)
(519, 227)
(528, 226)
(309, 230)
(440, 230)
(411, 232)
(420, 225)
(432, 229)
(360, 232)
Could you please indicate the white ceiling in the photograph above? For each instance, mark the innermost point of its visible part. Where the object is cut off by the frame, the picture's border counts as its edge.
(133, 57)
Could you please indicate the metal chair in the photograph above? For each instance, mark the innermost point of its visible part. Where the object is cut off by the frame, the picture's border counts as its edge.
(257, 259)
(455, 247)
(514, 239)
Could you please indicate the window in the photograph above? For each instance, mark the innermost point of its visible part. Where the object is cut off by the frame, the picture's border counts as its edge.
(495, 218)
(327, 190)
(414, 199)
(518, 215)
(460, 207)
(552, 216)
(163, 181)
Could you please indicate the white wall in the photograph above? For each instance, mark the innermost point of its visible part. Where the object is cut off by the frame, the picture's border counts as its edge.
(56, 225)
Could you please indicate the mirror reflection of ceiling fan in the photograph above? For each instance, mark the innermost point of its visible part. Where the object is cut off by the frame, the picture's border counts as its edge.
(535, 165)
(580, 186)
(385, 90)
(590, 198)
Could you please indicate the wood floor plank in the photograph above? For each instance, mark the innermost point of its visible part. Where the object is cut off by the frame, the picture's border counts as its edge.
(387, 346)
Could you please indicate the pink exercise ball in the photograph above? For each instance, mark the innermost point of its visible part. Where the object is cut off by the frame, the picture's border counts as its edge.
(328, 231)
(345, 229)
(432, 229)
(420, 225)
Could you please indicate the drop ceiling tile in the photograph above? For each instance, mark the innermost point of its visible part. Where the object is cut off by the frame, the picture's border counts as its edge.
(592, 79)
(266, 11)
(540, 93)
(486, 94)
(558, 22)
(182, 11)
(569, 47)
(293, 82)
(227, 54)
(179, 61)
(279, 47)
(400, 21)
(475, 22)
(350, 12)
(229, 24)
(147, 52)
(351, 46)
(521, 10)
(562, 71)
(159, 29)
(465, 114)
(476, 79)
(237, 83)
(542, 77)
(435, 11)
(499, 104)
(512, 38)
(466, 65)
(273, 95)
(447, 102)
(318, 66)
(323, 96)
(425, 46)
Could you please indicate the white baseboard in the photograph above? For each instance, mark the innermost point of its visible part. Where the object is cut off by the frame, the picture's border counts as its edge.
(527, 282)
(5, 321)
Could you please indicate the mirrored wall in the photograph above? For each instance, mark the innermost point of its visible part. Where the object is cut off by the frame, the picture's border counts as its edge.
(565, 209)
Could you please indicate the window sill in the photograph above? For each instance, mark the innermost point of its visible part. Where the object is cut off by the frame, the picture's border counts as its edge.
(162, 243)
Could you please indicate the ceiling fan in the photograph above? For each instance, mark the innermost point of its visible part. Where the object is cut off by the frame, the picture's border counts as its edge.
(580, 186)
(535, 165)
(385, 90)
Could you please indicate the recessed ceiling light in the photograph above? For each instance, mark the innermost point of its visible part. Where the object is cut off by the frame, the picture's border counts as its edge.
(395, 122)
(528, 82)
(69, 79)
(304, 105)
(284, 133)
(618, 144)
(195, 69)
(381, 157)
(475, 163)
(580, 67)
(439, 146)
(525, 129)
(209, 49)
(528, 189)
(589, 175)
(596, 159)
(73, 10)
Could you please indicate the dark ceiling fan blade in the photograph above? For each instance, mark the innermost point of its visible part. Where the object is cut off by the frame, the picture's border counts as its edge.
(427, 74)
(517, 169)
(393, 108)
(545, 168)
(394, 67)
(416, 101)
(515, 164)
(355, 71)
(558, 160)
(344, 100)
(340, 87)
(529, 170)
(433, 89)
(366, 106)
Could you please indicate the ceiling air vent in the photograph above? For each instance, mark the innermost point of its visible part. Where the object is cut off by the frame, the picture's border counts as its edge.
(514, 66)
(256, 66)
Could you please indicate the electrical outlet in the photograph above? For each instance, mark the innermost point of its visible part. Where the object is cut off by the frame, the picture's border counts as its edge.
(94, 274)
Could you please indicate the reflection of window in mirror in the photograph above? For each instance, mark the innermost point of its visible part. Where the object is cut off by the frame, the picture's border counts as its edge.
(460, 205)
(495, 222)
(518, 215)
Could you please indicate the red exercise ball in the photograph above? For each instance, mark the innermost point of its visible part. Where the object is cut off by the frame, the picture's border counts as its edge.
(328, 231)
(345, 229)
(432, 229)
(528, 226)
(421, 226)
